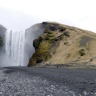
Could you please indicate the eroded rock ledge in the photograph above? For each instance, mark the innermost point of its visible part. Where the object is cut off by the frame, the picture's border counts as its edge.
(62, 44)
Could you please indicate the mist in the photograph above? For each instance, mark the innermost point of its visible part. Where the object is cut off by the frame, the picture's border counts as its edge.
(15, 20)
(18, 21)
(5, 60)
(18, 45)
(30, 34)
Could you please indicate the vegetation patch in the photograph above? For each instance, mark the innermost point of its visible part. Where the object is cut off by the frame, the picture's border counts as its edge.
(82, 52)
(53, 27)
(66, 33)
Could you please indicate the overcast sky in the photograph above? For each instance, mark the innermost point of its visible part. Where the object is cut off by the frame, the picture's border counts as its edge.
(21, 14)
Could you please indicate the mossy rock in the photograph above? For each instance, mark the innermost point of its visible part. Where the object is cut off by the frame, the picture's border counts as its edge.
(53, 27)
(66, 33)
(44, 46)
(47, 31)
(82, 52)
(43, 37)
(62, 29)
(36, 43)
(42, 53)
(49, 36)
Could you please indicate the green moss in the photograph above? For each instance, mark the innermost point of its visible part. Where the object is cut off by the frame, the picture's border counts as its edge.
(43, 36)
(66, 34)
(47, 31)
(36, 43)
(65, 43)
(50, 39)
(42, 53)
(44, 44)
(82, 52)
(61, 29)
(50, 35)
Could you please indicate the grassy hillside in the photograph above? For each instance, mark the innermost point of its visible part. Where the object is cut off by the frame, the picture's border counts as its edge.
(64, 45)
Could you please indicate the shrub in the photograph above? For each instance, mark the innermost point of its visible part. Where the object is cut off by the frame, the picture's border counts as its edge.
(82, 52)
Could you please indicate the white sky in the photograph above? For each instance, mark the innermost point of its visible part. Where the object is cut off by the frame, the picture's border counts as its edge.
(21, 14)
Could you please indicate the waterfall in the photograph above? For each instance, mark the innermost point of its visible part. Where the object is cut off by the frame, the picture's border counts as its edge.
(14, 47)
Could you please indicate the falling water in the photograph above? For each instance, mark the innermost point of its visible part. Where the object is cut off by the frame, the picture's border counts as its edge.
(14, 46)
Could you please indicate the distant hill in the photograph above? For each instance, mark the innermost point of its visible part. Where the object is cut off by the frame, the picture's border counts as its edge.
(61, 45)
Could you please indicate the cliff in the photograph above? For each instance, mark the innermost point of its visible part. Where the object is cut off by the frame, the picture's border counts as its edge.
(2, 35)
(62, 45)
(30, 34)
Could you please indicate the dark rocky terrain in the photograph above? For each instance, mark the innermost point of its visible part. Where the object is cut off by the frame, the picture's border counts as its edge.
(24, 81)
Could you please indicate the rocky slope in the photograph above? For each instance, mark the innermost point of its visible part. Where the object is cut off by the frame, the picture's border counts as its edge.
(63, 45)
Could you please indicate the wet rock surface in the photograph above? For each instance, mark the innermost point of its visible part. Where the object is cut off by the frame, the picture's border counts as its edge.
(24, 81)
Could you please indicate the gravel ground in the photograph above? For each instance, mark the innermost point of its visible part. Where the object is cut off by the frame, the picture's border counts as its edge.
(24, 81)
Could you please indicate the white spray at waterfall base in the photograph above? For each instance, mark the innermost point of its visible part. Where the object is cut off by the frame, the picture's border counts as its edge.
(14, 47)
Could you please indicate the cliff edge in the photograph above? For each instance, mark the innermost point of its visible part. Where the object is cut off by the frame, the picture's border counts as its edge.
(62, 45)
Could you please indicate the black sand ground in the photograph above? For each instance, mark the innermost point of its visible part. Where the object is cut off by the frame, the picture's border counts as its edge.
(23, 81)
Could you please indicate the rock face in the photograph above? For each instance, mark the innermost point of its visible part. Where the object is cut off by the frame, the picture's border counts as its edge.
(30, 34)
(62, 45)
(2, 35)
